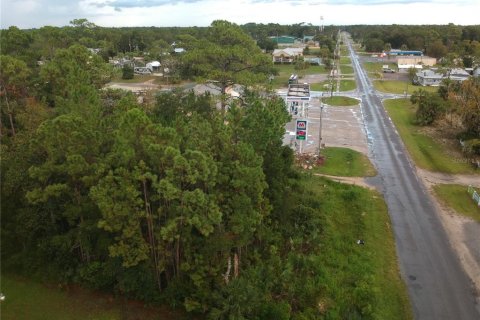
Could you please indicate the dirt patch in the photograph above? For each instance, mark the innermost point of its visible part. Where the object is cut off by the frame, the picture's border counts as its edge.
(463, 232)
(356, 181)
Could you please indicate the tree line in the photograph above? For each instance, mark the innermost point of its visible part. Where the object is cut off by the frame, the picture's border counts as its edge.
(439, 41)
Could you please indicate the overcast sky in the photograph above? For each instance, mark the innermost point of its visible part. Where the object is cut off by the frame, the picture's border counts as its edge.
(119, 13)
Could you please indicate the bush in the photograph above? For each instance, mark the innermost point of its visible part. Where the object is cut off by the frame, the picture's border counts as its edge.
(430, 106)
(127, 72)
(472, 146)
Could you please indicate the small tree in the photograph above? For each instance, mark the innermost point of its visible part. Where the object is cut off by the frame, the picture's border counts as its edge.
(411, 74)
(430, 106)
(127, 72)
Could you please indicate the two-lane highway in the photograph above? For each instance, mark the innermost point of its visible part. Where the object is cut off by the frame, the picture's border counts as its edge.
(437, 285)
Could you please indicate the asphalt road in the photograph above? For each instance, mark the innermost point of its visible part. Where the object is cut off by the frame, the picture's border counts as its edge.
(437, 285)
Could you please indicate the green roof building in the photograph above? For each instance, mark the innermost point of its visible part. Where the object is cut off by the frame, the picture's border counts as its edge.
(283, 39)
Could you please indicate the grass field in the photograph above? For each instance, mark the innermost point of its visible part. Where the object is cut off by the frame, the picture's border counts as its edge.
(346, 69)
(395, 86)
(340, 101)
(345, 60)
(345, 162)
(26, 299)
(456, 197)
(347, 271)
(286, 70)
(425, 151)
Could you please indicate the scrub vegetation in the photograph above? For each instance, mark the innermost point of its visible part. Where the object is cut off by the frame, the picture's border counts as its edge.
(427, 151)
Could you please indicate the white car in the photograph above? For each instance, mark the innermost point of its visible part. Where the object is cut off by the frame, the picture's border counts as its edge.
(388, 70)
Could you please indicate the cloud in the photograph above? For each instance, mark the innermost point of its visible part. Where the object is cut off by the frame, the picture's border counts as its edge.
(120, 4)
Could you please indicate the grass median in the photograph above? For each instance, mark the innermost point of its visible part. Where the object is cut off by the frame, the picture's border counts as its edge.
(340, 101)
(427, 151)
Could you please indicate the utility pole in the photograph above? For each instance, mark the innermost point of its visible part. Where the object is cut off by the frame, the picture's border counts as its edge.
(320, 128)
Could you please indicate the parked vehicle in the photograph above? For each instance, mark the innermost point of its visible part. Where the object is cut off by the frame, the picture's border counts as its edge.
(388, 70)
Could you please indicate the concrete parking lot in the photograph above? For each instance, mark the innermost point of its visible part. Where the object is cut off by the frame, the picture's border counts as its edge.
(341, 127)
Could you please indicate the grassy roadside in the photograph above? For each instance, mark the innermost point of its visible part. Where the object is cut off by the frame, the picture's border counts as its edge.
(396, 86)
(425, 150)
(27, 299)
(351, 272)
(340, 101)
(378, 66)
(456, 197)
(345, 162)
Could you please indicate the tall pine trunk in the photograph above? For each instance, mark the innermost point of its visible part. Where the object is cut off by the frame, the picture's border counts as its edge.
(151, 237)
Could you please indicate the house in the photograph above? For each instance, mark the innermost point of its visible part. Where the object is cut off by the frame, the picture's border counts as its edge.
(428, 78)
(286, 55)
(153, 66)
(417, 62)
(457, 74)
(431, 78)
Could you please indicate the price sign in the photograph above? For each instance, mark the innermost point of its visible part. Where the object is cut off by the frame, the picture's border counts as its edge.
(301, 130)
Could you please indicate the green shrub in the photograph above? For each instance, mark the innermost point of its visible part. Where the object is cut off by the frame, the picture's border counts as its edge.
(127, 72)
(472, 146)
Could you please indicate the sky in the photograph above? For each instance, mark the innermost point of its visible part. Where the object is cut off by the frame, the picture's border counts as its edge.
(120, 13)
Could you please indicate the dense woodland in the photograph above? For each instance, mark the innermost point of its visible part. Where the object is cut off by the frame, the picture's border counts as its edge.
(188, 200)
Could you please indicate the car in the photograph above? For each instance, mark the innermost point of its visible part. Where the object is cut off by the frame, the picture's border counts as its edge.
(388, 70)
